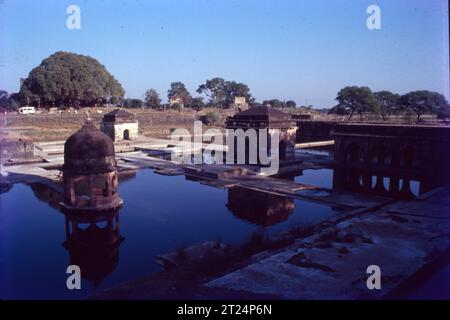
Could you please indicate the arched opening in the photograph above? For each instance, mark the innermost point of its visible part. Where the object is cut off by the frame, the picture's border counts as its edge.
(126, 134)
(99, 186)
(282, 150)
(82, 188)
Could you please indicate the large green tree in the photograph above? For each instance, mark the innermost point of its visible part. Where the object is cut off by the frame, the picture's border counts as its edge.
(4, 99)
(178, 91)
(274, 103)
(152, 99)
(133, 103)
(357, 100)
(69, 79)
(197, 103)
(214, 90)
(237, 89)
(291, 104)
(423, 101)
(388, 102)
(221, 93)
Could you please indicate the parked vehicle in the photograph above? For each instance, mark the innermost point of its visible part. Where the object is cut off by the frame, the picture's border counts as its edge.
(27, 110)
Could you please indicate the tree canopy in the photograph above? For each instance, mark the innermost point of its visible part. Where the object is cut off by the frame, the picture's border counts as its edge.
(152, 99)
(4, 99)
(178, 91)
(274, 103)
(361, 100)
(357, 100)
(221, 93)
(69, 79)
(133, 103)
(388, 102)
(422, 101)
(291, 104)
(197, 103)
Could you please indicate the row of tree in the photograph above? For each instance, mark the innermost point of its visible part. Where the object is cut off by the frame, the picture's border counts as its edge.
(355, 100)
(66, 79)
(219, 93)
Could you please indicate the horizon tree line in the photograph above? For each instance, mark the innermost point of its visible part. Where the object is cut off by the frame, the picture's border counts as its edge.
(354, 100)
(67, 79)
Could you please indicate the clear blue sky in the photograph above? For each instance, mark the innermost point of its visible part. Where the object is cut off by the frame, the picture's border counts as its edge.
(305, 50)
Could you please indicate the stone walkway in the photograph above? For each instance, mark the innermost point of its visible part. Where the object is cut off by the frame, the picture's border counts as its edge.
(400, 238)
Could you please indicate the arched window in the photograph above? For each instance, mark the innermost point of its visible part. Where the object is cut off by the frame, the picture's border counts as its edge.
(126, 134)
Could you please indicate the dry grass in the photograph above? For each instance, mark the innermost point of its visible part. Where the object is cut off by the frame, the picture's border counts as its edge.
(54, 127)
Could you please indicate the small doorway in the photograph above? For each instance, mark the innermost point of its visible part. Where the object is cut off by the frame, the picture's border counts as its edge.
(126, 134)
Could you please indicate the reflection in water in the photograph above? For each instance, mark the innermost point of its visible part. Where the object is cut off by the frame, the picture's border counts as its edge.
(261, 208)
(46, 194)
(93, 242)
(92, 239)
(155, 220)
(378, 183)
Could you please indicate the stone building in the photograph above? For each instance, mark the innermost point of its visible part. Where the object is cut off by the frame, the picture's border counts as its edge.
(120, 125)
(240, 103)
(270, 119)
(90, 172)
(176, 100)
(386, 159)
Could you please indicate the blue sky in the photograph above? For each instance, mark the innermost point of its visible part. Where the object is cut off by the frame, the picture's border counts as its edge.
(305, 50)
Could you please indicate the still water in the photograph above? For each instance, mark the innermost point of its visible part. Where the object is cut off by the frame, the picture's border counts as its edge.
(160, 214)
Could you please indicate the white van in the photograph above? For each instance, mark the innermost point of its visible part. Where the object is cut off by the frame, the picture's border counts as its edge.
(27, 110)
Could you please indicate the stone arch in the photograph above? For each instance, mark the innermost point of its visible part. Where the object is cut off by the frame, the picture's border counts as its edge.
(126, 134)
(82, 187)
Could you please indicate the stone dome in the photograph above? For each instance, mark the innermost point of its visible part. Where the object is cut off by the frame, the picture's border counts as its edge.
(89, 150)
(119, 116)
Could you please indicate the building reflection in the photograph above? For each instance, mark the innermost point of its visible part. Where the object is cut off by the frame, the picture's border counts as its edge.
(92, 239)
(93, 243)
(264, 209)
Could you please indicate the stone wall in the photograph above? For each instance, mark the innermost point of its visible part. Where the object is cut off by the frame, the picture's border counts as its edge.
(314, 130)
(116, 130)
(385, 158)
(16, 150)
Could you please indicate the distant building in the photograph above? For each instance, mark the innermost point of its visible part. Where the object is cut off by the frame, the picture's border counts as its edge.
(176, 100)
(239, 104)
(120, 125)
(269, 119)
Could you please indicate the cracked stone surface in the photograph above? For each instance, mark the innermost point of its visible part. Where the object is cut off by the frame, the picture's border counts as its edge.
(400, 238)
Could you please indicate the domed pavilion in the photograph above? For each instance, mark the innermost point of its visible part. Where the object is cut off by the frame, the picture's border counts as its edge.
(90, 171)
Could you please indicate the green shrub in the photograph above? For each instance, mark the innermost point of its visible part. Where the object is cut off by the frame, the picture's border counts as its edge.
(210, 118)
